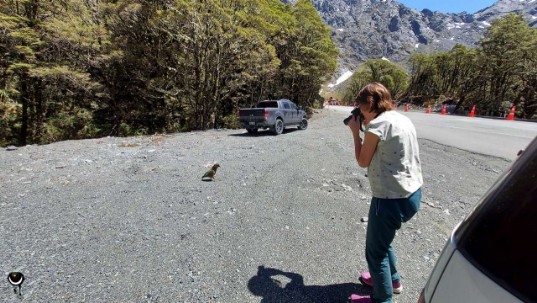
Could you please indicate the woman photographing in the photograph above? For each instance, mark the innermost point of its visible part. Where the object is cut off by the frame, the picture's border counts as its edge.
(390, 153)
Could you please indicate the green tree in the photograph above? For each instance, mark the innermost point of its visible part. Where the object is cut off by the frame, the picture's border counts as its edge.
(44, 69)
(314, 56)
(507, 57)
(350, 88)
(84, 68)
(423, 71)
(391, 75)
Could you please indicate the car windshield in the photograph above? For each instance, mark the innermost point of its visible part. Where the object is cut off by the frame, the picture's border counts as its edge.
(498, 238)
(265, 104)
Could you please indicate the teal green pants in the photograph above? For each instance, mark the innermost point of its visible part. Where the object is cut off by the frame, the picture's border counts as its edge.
(385, 218)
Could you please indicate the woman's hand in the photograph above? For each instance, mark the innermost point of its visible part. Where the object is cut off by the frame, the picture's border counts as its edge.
(354, 125)
(363, 152)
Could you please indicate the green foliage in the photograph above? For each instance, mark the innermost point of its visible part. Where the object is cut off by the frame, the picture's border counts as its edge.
(10, 114)
(502, 71)
(79, 69)
(391, 75)
(310, 59)
(508, 49)
(231, 122)
(67, 125)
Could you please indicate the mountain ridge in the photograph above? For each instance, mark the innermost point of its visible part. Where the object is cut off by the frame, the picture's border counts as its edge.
(367, 29)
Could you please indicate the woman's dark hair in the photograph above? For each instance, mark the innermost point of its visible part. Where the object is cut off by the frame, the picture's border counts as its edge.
(376, 94)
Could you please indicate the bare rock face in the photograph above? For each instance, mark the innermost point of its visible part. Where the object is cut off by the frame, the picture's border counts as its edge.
(527, 8)
(365, 29)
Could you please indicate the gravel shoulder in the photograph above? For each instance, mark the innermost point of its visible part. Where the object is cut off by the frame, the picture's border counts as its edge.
(129, 219)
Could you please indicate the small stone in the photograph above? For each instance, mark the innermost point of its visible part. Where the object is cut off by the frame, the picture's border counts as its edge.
(346, 187)
(11, 147)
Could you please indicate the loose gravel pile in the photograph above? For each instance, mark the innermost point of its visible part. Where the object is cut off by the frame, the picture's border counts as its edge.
(129, 219)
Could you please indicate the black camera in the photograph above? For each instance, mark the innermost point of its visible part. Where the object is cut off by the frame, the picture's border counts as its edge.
(355, 113)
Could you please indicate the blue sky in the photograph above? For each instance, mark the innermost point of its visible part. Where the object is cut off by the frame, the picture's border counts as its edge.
(449, 6)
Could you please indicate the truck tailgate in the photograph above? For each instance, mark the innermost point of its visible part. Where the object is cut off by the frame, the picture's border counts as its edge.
(252, 115)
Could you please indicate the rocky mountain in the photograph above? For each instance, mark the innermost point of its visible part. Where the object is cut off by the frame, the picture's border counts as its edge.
(364, 29)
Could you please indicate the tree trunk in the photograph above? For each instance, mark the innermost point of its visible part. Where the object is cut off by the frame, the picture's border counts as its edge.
(25, 103)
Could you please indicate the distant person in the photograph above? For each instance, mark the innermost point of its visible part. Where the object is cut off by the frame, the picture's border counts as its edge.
(332, 101)
(390, 153)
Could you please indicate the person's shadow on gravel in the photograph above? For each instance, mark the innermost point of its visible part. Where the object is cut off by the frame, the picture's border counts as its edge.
(265, 285)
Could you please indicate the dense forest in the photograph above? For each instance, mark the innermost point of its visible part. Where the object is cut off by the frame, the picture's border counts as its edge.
(499, 74)
(72, 69)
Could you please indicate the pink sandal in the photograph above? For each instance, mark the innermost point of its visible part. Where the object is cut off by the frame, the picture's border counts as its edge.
(365, 278)
(359, 299)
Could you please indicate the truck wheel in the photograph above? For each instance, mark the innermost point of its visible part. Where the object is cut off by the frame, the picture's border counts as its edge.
(252, 131)
(277, 129)
(303, 124)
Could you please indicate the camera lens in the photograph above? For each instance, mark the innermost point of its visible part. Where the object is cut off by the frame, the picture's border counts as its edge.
(346, 121)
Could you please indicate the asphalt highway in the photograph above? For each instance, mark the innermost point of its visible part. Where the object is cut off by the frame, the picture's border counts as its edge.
(494, 137)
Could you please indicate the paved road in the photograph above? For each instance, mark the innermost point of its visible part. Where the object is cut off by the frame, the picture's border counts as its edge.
(493, 137)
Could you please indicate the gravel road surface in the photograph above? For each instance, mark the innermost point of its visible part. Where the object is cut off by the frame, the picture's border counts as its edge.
(129, 219)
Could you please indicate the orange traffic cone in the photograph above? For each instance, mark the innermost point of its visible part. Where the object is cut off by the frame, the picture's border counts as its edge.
(444, 110)
(428, 111)
(472, 112)
(406, 107)
(511, 115)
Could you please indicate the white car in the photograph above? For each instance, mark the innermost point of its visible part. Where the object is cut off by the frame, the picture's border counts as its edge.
(492, 254)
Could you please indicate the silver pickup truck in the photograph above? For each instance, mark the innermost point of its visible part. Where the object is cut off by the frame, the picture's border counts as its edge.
(274, 115)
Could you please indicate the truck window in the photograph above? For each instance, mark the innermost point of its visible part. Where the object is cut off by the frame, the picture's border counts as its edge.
(499, 236)
(265, 104)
